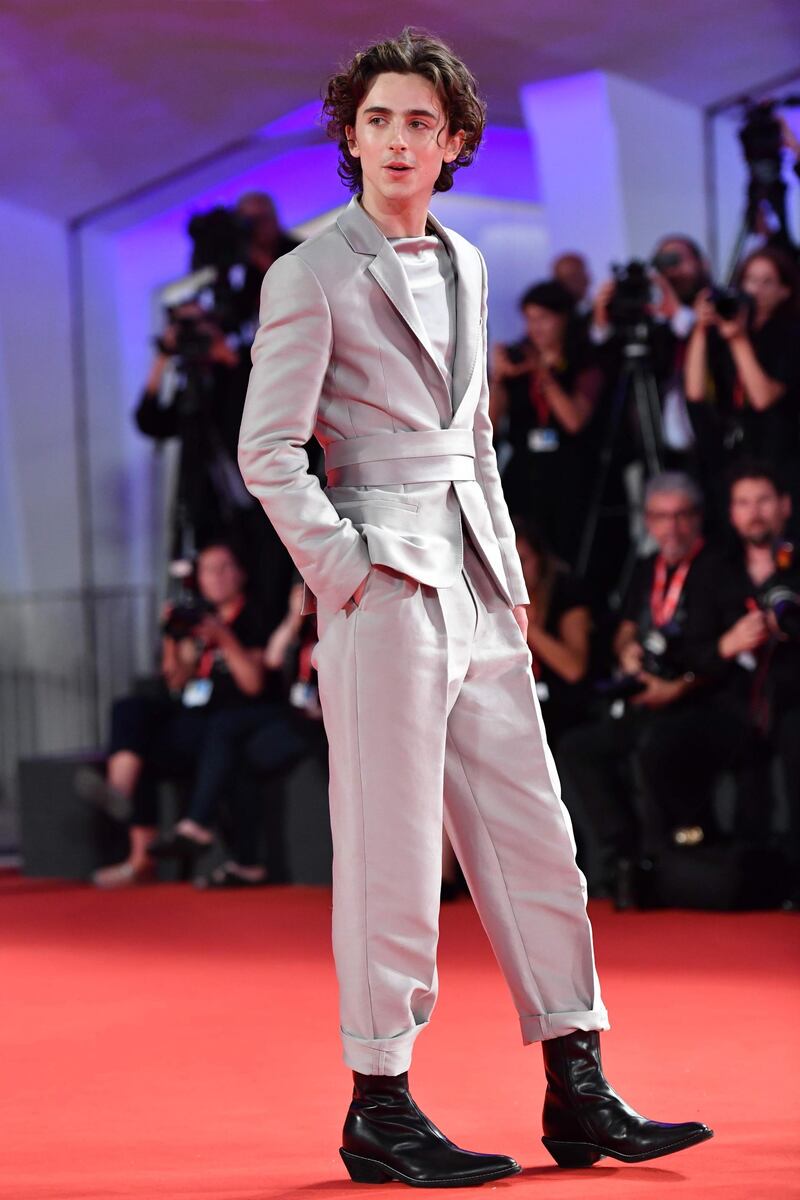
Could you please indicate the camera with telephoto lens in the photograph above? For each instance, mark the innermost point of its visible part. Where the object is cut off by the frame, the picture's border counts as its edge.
(183, 619)
(661, 657)
(728, 302)
(780, 594)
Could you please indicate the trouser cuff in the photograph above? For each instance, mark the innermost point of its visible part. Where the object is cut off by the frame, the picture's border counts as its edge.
(542, 1027)
(380, 1056)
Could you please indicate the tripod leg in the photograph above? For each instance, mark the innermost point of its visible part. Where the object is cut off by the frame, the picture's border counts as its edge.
(648, 411)
(589, 533)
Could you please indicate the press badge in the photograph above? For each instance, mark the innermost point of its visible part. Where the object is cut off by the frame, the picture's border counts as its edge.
(197, 692)
(542, 441)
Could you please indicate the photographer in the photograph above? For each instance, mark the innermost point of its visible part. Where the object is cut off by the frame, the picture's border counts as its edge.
(217, 694)
(559, 632)
(544, 389)
(198, 380)
(762, 605)
(660, 722)
(571, 270)
(743, 372)
(678, 272)
(266, 241)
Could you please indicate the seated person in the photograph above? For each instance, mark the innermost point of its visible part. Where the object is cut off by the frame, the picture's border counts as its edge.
(218, 694)
(559, 632)
(667, 729)
(274, 746)
(762, 603)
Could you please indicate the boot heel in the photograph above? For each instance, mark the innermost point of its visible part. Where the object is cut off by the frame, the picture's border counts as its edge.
(363, 1170)
(571, 1154)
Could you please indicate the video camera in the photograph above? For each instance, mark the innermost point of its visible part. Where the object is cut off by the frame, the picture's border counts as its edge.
(221, 241)
(634, 290)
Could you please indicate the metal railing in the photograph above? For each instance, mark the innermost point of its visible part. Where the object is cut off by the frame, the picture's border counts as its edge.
(64, 656)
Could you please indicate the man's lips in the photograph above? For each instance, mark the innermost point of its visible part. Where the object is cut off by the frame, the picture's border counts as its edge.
(398, 168)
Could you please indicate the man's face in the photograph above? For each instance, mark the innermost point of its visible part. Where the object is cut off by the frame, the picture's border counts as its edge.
(402, 139)
(220, 579)
(673, 522)
(758, 513)
(571, 272)
(260, 212)
(686, 276)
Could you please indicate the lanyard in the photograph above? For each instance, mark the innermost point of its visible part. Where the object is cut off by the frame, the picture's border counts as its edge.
(664, 598)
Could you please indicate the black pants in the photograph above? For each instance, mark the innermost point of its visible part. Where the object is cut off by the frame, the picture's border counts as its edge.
(209, 746)
(628, 782)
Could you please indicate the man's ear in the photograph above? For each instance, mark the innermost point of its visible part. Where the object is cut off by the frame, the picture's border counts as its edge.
(455, 144)
(352, 144)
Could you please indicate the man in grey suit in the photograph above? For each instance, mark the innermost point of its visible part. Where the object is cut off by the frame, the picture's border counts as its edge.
(373, 338)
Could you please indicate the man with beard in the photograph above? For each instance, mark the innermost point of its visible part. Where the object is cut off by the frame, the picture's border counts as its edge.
(763, 641)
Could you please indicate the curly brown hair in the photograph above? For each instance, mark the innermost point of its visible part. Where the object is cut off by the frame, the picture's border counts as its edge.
(413, 52)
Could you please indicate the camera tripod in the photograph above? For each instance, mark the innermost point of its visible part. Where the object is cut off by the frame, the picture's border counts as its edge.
(636, 392)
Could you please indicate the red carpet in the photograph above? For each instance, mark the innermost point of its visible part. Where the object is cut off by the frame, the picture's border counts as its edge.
(164, 1044)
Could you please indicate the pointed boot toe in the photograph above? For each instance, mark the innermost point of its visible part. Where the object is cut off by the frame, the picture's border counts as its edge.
(387, 1137)
(585, 1120)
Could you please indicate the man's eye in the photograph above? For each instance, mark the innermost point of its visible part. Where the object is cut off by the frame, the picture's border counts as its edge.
(375, 120)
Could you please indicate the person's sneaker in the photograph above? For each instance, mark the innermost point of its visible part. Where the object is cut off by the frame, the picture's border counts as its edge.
(96, 790)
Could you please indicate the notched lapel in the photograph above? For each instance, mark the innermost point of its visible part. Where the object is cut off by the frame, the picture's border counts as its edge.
(366, 238)
(388, 272)
(469, 285)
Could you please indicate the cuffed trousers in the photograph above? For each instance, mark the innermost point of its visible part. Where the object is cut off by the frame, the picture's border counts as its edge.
(431, 715)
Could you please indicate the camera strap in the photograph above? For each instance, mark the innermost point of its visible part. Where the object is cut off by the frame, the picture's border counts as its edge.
(665, 597)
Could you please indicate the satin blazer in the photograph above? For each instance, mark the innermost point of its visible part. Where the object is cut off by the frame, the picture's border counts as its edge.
(341, 353)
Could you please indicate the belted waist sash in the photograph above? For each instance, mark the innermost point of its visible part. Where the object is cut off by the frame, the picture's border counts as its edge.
(421, 456)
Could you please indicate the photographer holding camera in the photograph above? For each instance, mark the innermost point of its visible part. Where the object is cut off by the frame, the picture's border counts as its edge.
(216, 694)
(198, 380)
(545, 389)
(661, 295)
(660, 721)
(762, 603)
(742, 372)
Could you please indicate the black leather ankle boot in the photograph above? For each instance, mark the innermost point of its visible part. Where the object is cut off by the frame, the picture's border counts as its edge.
(387, 1137)
(584, 1118)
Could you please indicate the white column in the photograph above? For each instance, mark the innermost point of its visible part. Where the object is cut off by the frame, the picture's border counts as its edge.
(619, 165)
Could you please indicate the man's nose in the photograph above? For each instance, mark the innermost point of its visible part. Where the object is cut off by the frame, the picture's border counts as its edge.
(398, 136)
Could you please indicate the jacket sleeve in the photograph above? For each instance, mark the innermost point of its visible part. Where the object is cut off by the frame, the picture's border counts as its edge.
(489, 476)
(291, 354)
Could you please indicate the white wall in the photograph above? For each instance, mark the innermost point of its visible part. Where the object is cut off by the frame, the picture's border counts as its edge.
(39, 530)
(660, 161)
(619, 165)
